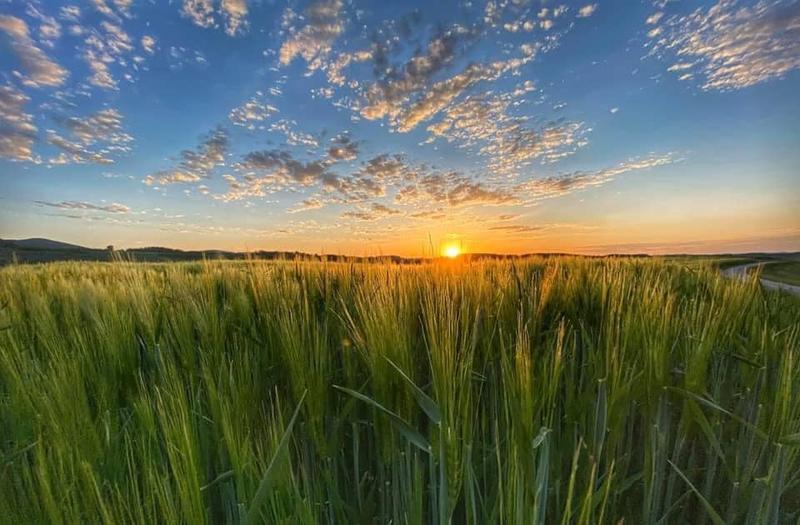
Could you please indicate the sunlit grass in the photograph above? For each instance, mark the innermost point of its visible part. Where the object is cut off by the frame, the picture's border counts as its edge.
(549, 390)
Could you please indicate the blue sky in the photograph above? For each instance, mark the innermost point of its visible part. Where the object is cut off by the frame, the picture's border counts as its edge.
(375, 127)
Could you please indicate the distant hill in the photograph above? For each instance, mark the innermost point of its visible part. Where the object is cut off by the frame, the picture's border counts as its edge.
(47, 250)
(40, 244)
(39, 250)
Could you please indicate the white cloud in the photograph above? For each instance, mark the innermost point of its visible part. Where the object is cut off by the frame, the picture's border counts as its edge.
(312, 203)
(123, 6)
(399, 86)
(253, 111)
(101, 74)
(196, 164)
(485, 122)
(200, 12)
(41, 70)
(587, 11)
(180, 56)
(335, 69)
(654, 18)
(268, 171)
(438, 96)
(293, 136)
(17, 131)
(70, 13)
(453, 189)
(148, 44)
(733, 46)
(373, 212)
(114, 207)
(516, 228)
(49, 27)
(235, 14)
(313, 41)
(343, 148)
(104, 47)
(567, 183)
(94, 139)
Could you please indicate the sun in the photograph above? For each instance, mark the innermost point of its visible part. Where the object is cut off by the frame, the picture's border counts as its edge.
(451, 251)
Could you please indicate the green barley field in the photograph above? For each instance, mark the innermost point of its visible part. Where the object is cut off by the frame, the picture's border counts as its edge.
(546, 390)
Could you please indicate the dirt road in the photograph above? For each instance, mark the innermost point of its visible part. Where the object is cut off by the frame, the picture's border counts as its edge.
(741, 271)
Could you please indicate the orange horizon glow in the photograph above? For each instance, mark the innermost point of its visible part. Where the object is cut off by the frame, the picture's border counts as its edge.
(451, 251)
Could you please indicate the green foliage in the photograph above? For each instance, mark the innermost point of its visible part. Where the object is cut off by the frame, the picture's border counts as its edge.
(546, 390)
(783, 272)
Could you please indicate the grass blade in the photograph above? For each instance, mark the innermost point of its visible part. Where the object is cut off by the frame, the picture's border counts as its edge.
(266, 481)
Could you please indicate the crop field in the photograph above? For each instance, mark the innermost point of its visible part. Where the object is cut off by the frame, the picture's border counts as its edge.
(544, 390)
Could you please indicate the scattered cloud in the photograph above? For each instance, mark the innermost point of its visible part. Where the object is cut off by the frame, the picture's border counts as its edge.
(200, 12)
(335, 68)
(312, 35)
(352, 189)
(453, 189)
(461, 82)
(17, 131)
(373, 212)
(105, 125)
(343, 148)
(196, 164)
(729, 46)
(235, 14)
(104, 47)
(269, 171)
(442, 93)
(396, 85)
(433, 215)
(414, 91)
(388, 169)
(114, 207)
(149, 44)
(485, 122)
(654, 18)
(49, 27)
(39, 68)
(255, 110)
(559, 185)
(312, 203)
(70, 13)
(516, 228)
(180, 56)
(282, 165)
(94, 139)
(122, 8)
(294, 137)
(587, 11)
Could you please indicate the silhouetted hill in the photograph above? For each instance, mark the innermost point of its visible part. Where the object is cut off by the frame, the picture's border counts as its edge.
(40, 244)
(47, 250)
(40, 250)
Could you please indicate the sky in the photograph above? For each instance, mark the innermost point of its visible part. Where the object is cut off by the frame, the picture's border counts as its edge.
(376, 128)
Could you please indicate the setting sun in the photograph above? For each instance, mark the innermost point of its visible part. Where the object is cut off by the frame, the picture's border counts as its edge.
(451, 251)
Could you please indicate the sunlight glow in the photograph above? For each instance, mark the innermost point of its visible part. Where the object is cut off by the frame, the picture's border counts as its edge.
(452, 251)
